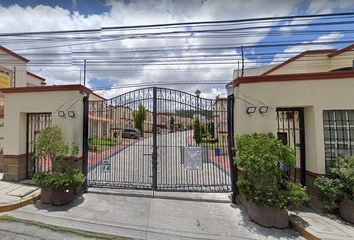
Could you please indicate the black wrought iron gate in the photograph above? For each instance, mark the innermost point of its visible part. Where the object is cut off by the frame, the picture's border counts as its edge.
(35, 123)
(291, 131)
(161, 139)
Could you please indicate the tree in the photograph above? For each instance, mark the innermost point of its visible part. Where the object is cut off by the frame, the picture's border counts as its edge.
(139, 118)
(197, 131)
(172, 121)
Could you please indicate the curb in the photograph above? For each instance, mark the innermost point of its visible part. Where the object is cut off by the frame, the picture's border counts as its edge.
(302, 230)
(21, 203)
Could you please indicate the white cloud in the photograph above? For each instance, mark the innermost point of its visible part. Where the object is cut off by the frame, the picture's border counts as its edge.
(328, 6)
(122, 13)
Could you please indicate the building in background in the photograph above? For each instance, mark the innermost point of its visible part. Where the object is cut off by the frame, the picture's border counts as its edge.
(308, 102)
(14, 73)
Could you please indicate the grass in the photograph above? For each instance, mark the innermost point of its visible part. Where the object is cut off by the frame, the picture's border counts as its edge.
(101, 144)
(8, 218)
(103, 141)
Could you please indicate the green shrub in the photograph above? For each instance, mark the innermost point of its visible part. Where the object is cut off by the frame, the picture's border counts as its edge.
(63, 175)
(54, 180)
(262, 181)
(339, 185)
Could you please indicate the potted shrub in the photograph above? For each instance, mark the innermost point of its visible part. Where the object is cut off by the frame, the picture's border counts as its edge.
(265, 186)
(337, 190)
(57, 184)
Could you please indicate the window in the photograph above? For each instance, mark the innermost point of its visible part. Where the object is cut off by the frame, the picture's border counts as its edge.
(338, 135)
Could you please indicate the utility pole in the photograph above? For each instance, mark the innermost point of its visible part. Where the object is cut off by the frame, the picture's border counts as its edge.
(14, 77)
(85, 72)
(243, 62)
(80, 77)
(238, 68)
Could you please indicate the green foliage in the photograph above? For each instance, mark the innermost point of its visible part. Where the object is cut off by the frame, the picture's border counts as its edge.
(197, 135)
(54, 180)
(49, 143)
(101, 144)
(60, 180)
(103, 141)
(172, 120)
(259, 155)
(78, 178)
(340, 185)
(139, 117)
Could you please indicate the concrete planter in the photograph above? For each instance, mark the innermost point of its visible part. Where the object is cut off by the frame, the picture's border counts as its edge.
(346, 210)
(77, 190)
(46, 194)
(56, 197)
(61, 197)
(266, 216)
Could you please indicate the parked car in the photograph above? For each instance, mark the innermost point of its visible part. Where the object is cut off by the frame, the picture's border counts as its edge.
(131, 133)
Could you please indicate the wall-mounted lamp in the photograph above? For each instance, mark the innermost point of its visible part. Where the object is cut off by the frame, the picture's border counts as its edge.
(251, 110)
(71, 114)
(61, 114)
(263, 109)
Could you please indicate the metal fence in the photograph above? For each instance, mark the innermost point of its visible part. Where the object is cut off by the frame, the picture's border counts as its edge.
(157, 152)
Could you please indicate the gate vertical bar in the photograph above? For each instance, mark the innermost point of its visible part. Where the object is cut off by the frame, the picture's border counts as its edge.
(85, 141)
(302, 147)
(27, 146)
(154, 140)
(230, 140)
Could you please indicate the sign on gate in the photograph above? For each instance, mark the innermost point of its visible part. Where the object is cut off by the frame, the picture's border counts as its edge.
(193, 158)
(106, 165)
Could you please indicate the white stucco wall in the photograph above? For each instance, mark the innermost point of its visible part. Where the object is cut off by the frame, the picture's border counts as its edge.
(314, 95)
(344, 59)
(33, 81)
(306, 64)
(18, 104)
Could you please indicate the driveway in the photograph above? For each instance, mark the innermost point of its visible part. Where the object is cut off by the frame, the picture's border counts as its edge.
(135, 214)
(132, 167)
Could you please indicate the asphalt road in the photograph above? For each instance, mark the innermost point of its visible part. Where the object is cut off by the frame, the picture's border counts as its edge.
(132, 167)
(21, 231)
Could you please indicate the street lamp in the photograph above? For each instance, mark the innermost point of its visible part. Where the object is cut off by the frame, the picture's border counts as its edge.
(197, 93)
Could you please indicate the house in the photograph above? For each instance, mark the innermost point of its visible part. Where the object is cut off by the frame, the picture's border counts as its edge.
(148, 121)
(14, 73)
(308, 102)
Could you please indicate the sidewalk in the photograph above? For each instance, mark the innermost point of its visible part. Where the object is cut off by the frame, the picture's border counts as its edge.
(15, 195)
(135, 214)
(316, 225)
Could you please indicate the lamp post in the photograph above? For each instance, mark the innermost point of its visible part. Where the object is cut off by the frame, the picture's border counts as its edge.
(197, 94)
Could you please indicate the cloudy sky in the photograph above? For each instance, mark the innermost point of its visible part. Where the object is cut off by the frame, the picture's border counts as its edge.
(182, 57)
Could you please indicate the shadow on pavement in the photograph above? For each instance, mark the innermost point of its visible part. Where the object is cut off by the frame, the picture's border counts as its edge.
(51, 208)
(157, 196)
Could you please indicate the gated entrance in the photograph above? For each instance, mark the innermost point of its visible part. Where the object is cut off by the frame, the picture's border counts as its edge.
(291, 131)
(35, 123)
(161, 139)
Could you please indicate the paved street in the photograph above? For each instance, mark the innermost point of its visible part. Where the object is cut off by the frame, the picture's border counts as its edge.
(133, 167)
(137, 215)
(21, 231)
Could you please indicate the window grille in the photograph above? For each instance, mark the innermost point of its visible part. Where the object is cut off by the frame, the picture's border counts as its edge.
(338, 135)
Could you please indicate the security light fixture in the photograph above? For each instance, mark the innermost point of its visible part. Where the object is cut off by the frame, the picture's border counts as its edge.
(71, 114)
(61, 114)
(198, 92)
(263, 109)
(251, 110)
